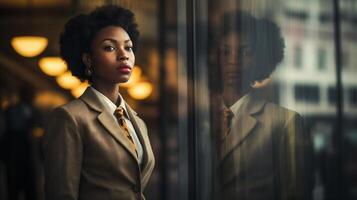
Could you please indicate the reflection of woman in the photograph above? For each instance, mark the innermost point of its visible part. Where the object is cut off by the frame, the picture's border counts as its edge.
(263, 152)
(96, 147)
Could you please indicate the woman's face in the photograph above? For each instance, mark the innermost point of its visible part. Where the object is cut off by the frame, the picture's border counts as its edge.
(112, 55)
(235, 59)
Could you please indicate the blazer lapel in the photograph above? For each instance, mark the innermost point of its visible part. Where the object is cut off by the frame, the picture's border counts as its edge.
(114, 129)
(243, 125)
(144, 140)
(107, 120)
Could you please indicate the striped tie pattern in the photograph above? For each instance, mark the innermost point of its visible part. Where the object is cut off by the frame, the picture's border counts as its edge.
(119, 113)
(227, 118)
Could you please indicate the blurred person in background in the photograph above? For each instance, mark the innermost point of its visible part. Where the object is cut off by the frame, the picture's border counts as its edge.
(263, 151)
(17, 147)
(97, 147)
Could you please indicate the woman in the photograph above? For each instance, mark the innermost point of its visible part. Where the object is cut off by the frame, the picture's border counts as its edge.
(96, 147)
(263, 152)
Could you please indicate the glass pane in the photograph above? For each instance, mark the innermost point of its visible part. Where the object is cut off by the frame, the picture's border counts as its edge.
(348, 10)
(270, 71)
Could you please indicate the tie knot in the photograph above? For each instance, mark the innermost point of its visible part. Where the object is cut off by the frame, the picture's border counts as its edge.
(119, 112)
(227, 113)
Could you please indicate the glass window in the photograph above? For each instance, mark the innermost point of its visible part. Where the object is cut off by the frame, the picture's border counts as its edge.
(245, 106)
(331, 93)
(321, 59)
(345, 59)
(307, 93)
(298, 57)
(353, 96)
(299, 15)
(239, 92)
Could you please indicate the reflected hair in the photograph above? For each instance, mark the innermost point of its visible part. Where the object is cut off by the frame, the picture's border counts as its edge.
(81, 29)
(268, 43)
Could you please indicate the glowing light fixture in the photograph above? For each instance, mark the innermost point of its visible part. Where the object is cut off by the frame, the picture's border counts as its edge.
(38, 132)
(79, 90)
(52, 66)
(68, 81)
(141, 90)
(29, 46)
(49, 99)
(134, 78)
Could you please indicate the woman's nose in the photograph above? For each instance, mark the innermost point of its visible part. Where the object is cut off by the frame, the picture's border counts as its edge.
(122, 55)
(232, 57)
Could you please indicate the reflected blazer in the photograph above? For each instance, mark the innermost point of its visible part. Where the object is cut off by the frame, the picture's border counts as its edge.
(87, 157)
(266, 155)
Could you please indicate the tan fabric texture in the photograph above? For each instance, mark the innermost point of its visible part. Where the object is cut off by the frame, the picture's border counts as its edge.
(88, 157)
(266, 155)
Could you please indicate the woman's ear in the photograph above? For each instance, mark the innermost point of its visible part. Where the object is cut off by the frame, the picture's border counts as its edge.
(261, 84)
(87, 60)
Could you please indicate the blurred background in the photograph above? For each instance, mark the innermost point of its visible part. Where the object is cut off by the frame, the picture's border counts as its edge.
(172, 83)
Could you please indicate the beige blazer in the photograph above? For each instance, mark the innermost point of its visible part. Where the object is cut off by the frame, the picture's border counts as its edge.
(87, 157)
(266, 155)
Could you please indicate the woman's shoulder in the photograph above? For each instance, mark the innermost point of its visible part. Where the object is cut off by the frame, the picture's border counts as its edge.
(279, 109)
(281, 113)
(73, 108)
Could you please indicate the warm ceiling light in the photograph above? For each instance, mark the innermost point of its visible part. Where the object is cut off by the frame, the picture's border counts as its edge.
(68, 81)
(140, 90)
(79, 90)
(49, 99)
(134, 77)
(29, 46)
(52, 66)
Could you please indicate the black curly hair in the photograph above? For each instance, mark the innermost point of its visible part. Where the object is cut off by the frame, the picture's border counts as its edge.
(268, 43)
(81, 29)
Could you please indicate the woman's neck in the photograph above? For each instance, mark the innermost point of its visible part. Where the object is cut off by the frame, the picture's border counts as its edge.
(109, 90)
(231, 95)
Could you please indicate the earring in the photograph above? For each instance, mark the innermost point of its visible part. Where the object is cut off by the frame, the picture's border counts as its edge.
(88, 71)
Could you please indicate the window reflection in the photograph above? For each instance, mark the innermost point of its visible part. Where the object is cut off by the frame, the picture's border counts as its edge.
(298, 57)
(262, 149)
(304, 82)
(321, 59)
(307, 94)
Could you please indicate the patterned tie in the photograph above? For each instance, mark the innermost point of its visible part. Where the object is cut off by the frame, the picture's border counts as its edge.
(119, 113)
(226, 121)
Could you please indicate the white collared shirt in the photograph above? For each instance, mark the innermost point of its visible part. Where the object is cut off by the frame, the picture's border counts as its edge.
(236, 107)
(110, 106)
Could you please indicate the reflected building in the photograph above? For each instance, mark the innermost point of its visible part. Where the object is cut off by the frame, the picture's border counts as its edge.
(306, 82)
(307, 76)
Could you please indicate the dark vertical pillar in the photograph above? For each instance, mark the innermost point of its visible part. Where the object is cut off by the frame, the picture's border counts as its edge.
(191, 66)
(163, 100)
(338, 133)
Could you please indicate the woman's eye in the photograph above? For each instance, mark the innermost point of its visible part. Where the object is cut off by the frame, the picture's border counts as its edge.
(129, 48)
(225, 51)
(245, 52)
(109, 48)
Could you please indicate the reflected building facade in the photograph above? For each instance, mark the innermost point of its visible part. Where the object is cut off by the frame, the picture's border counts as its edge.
(307, 75)
(307, 82)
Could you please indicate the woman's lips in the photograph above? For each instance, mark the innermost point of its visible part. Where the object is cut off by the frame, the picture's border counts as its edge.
(124, 69)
